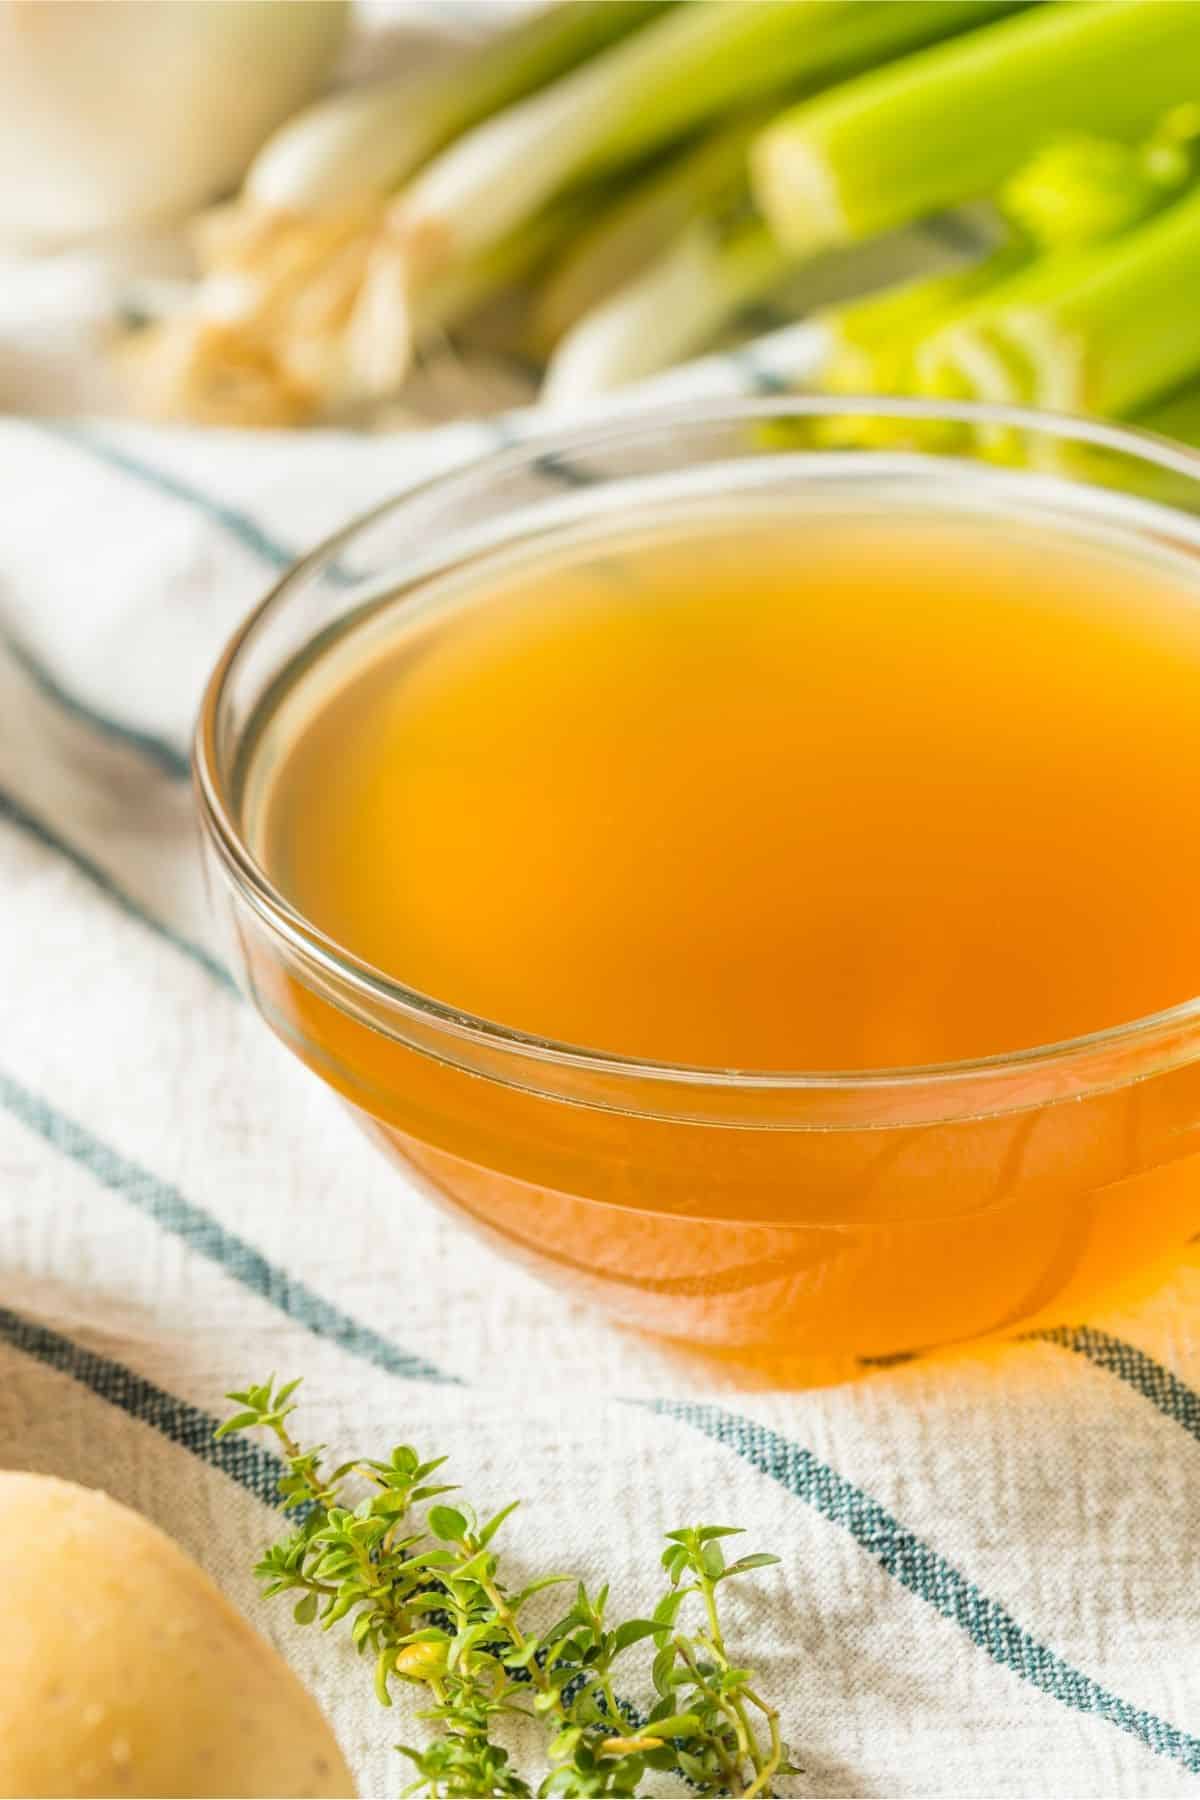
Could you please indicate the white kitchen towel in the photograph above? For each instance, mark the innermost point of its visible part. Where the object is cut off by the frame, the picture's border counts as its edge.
(989, 1582)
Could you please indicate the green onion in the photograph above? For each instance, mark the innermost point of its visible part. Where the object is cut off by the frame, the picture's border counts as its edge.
(518, 258)
(671, 309)
(713, 270)
(678, 73)
(369, 140)
(954, 121)
(630, 233)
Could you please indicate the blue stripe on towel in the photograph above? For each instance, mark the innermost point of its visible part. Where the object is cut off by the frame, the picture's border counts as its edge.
(201, 1232)
(1165, 1391)
(235, 523)
(186, 1425)
(904, 1556)
(919, 1568)
(157, 750)
(12, 812)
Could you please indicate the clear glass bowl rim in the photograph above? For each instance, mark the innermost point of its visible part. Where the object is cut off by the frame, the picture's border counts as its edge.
(254, 887)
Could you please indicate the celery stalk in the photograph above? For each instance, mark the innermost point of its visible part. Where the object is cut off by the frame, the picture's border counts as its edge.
(953, 121)
(962, 357)
(371, 139)
(675, 75)
(1082, 188)
(870, 346)
(958, 355)
(1129, 330)
(1106, 330)
(872, 341)
(1178, 416)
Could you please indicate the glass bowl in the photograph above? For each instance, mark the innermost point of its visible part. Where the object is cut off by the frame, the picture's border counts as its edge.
(863, 1215)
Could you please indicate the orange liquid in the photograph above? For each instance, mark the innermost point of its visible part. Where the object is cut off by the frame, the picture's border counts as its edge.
(840, 792)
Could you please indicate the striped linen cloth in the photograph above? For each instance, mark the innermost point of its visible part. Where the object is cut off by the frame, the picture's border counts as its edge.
(989, 1582)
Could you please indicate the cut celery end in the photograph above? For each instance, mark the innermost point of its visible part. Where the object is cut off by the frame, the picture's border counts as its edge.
(961, 352)
(1130, 332)
(891, 321)
(1107, 330)
(956, 120)
(875, 344)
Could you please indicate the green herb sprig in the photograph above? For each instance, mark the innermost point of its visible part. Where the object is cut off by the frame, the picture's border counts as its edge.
(426, 1599)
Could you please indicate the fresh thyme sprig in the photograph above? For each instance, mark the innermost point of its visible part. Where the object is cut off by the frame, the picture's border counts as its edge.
(428, 1602)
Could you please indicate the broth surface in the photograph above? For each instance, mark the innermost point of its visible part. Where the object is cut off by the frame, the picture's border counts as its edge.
(835, 790)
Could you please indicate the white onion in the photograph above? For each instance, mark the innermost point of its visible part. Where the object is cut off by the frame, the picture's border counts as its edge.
(128, 113)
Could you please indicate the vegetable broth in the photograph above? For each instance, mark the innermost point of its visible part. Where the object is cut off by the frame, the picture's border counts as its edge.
(836, 790)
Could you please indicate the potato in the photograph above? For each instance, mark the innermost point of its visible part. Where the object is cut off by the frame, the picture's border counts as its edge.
(123, 1670)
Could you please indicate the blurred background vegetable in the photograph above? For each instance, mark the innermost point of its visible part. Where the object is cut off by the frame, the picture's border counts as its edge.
(602, 190)
(125, 114)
